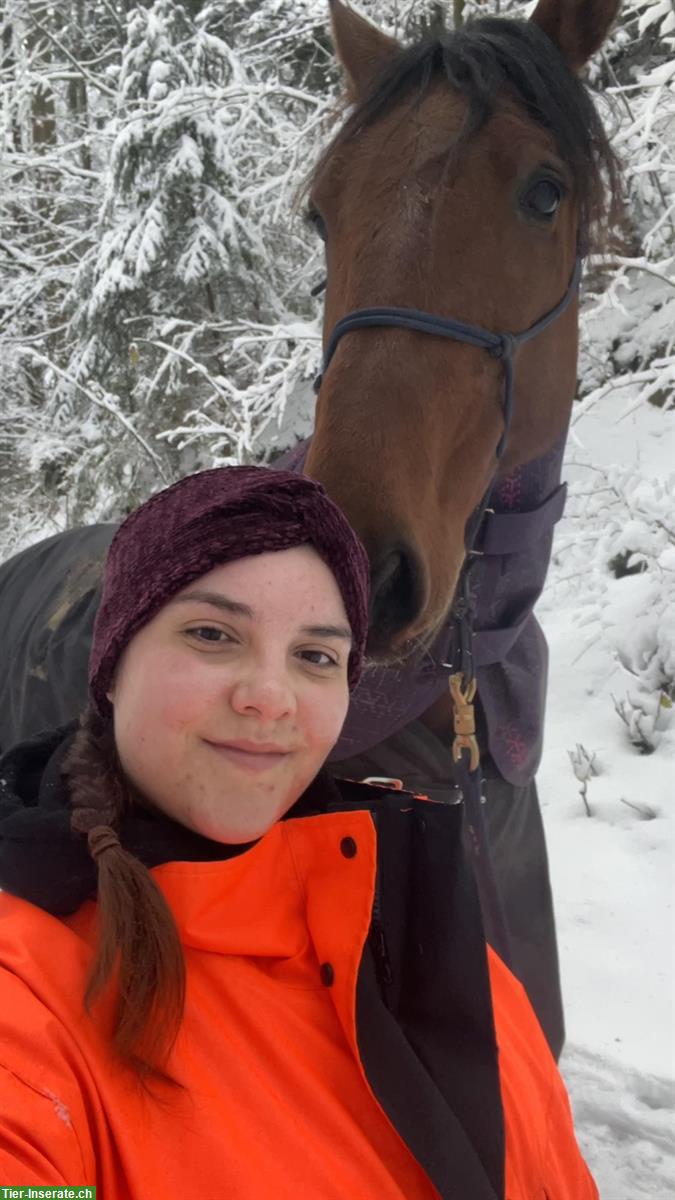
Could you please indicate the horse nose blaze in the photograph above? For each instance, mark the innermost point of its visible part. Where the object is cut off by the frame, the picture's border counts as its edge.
(396, 593)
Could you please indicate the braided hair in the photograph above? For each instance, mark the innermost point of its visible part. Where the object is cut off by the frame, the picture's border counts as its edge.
(136, 923)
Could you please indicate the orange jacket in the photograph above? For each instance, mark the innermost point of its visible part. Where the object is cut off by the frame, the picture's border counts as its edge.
(289, 1093)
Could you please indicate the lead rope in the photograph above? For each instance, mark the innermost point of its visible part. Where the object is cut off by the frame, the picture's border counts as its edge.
(467, 764)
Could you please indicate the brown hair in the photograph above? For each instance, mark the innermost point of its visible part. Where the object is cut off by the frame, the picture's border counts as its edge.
(136, 925)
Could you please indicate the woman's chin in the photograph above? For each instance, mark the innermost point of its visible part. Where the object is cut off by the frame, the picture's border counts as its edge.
(237, 835)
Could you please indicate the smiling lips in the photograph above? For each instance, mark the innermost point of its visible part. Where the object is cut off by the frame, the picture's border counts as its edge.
(252, 756)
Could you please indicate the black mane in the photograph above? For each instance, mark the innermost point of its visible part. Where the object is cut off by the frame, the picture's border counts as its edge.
(492, 56)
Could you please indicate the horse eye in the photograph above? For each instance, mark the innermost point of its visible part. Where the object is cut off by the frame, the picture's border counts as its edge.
(314, 218)
(543, 199)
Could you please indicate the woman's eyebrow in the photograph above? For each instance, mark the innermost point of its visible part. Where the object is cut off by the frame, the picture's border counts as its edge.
(338, 631)
(238, 609)
(235, 607)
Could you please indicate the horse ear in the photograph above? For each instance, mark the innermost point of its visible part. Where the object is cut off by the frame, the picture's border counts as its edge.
(577, 27)
(363, 50)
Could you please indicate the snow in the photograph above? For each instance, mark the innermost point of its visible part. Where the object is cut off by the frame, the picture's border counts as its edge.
(625, 1125)
(612, 641)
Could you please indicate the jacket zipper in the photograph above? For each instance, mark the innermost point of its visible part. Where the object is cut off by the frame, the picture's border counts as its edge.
(382, 957)
(377, 939)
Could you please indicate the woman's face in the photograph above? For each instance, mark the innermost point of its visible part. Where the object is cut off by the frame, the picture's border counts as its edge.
(255, 651)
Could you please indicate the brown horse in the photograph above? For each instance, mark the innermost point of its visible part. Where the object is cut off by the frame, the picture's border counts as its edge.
(463, 184)
(470, 175)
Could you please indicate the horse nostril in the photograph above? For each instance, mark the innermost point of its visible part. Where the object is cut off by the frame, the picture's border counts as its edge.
(396, 596)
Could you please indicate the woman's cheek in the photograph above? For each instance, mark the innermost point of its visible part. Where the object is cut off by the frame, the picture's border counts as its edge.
(325, 717)
(186, 694)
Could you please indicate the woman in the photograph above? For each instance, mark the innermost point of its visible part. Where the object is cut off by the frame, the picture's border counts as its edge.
(286, 986)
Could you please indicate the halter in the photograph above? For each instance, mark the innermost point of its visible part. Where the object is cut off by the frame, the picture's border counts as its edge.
(462, 681)
(499, 345)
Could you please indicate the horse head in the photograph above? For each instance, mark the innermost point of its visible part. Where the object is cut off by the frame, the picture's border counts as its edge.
(465, 182)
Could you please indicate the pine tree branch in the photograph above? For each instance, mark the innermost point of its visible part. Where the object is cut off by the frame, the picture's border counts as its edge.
(100, 402)
(91, 79)
(637, 264)
(196, 366)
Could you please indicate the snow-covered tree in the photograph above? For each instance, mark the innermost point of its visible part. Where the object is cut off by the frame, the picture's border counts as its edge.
(175, 255)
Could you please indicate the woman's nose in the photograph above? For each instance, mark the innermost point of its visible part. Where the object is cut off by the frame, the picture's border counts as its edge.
(266, 692)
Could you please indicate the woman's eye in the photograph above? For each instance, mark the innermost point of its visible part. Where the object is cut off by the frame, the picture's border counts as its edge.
(210, 634)
(330, 662)
(543, 199)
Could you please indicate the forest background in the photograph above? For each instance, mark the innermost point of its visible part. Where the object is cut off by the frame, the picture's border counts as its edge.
(156, 314)
(157, 317)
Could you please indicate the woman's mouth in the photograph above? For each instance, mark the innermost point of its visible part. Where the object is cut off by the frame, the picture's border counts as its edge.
(249, 760)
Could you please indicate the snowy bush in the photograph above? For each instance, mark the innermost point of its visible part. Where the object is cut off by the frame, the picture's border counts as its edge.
(620, 536)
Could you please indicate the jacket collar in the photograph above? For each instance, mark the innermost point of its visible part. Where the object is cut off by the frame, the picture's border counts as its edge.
(44, 862)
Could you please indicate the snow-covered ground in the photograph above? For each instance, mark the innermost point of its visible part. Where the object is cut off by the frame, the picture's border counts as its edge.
(611, 642)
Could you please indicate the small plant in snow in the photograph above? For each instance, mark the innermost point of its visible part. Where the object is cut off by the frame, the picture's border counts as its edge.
(583, 765)
(646, 812)
(642, 716)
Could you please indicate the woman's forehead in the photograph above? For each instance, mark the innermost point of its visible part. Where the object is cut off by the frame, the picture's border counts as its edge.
(271, 578)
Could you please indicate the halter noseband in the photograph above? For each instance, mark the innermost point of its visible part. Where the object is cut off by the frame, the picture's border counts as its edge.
(500, 345)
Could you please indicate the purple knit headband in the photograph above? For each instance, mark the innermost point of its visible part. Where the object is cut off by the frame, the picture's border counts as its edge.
(204, 521)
